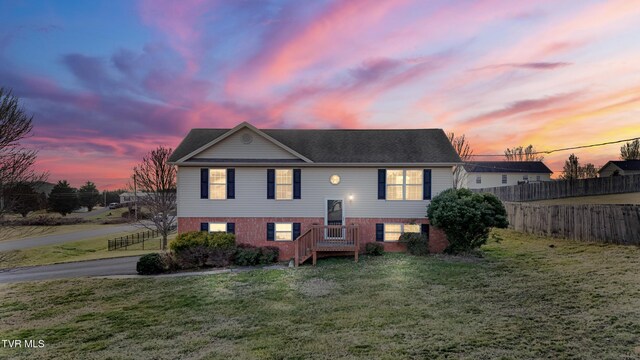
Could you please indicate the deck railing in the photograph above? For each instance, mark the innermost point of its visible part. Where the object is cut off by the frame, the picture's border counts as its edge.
(326, 238)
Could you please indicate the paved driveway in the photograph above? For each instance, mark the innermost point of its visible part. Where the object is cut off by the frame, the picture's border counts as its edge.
(68, 237)
(102, 267)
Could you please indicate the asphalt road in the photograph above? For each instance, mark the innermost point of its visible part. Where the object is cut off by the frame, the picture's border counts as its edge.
(68, 237)
(102, 267)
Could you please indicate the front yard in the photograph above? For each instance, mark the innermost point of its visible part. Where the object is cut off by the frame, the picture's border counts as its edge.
(524, 299)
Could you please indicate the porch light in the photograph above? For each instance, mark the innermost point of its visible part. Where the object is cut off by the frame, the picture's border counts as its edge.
(351, 197)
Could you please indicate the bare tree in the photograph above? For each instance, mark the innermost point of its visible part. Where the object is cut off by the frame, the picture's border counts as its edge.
(520, 153)
(157, 180)
(462, 147)
(630, 150)
(16, 162)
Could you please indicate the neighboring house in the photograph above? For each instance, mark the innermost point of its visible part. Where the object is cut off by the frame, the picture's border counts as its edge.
(621, 167)
(486, 174)
(270, 186)
(127, 197)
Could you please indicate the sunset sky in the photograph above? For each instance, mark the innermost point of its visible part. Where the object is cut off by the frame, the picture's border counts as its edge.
(107, 81)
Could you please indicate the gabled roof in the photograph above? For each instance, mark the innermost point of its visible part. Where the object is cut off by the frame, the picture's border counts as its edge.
(625, 165)
(507, 166)
(340, 146)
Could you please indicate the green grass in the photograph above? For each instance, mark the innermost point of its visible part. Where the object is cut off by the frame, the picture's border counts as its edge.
(524, 299)
(89, 249)
(23, 232)
(629, 198)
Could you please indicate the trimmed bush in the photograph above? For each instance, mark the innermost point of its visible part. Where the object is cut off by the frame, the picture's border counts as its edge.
(249, 255)
(150, 264)
(375, 249)
(201, 249)
(466, 217)
(417, 243)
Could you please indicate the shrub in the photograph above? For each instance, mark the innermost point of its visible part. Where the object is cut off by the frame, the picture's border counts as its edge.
(44, 220)
(249, 255)
(417, 244)
(375, 249)
(466, 217)
(150, 264)
(199, 248)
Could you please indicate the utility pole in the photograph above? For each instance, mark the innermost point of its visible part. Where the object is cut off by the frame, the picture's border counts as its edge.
(105, 198)
(135, 195)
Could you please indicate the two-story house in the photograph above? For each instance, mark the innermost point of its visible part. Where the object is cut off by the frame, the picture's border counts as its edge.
(270, 186)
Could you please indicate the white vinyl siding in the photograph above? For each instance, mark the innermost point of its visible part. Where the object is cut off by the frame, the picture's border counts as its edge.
(234, 147)
(217, 184)
(494, 179)
(251, 194)
(283, 231)
(284, 184)
(217, 227)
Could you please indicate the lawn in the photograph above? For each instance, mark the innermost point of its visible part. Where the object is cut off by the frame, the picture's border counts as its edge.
(89, 249)
(524, 299)
(629, 198)
(23, 232)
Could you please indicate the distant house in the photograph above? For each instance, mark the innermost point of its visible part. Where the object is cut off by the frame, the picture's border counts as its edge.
(621, 167)
(127, 197)
(484, 174)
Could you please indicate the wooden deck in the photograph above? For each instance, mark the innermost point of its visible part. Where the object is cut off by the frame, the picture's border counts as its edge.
(326, 239)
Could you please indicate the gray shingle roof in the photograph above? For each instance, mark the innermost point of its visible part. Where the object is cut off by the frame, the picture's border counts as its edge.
(507, 166)
(347, 146)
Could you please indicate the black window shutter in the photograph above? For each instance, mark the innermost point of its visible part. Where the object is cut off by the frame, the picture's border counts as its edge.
(382, 184)
(231, 228)
(297, 183)
(204, 227)
(424, 228)
(231, 183)
(271, 184)
(271, 231)
(204, 183)
(379, 232)
(426, 185)
(296, 230)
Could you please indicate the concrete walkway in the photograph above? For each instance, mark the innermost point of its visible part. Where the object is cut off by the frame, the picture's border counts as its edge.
(26, 243)
(102, 267)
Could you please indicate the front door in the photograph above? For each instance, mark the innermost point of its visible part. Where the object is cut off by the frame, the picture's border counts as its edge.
(335, 216)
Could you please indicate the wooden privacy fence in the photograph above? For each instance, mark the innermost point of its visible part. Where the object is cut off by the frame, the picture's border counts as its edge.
(566, 188)
(616, 224)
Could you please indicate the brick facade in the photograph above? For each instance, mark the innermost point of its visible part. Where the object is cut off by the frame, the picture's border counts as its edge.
(254, 231)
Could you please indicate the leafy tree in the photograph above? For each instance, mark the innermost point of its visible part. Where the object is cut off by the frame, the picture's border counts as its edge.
(63, 198)
(520, 153)
(630, 150)
(466, 217)
(16, 162)
(155, 177)
(88, 195)
(24, 199)
(463, 148)
(572, 169)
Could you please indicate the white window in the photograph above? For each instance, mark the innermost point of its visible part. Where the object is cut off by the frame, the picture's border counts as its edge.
(217, 227)
(404, 184)
(284, 184)
(392, 232)
(504, 178)
(525, 177)
(217, 184)
(478, 179)
(412, 228)
(284, 232)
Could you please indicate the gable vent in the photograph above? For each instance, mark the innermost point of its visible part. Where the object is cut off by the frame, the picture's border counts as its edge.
(246, 139)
